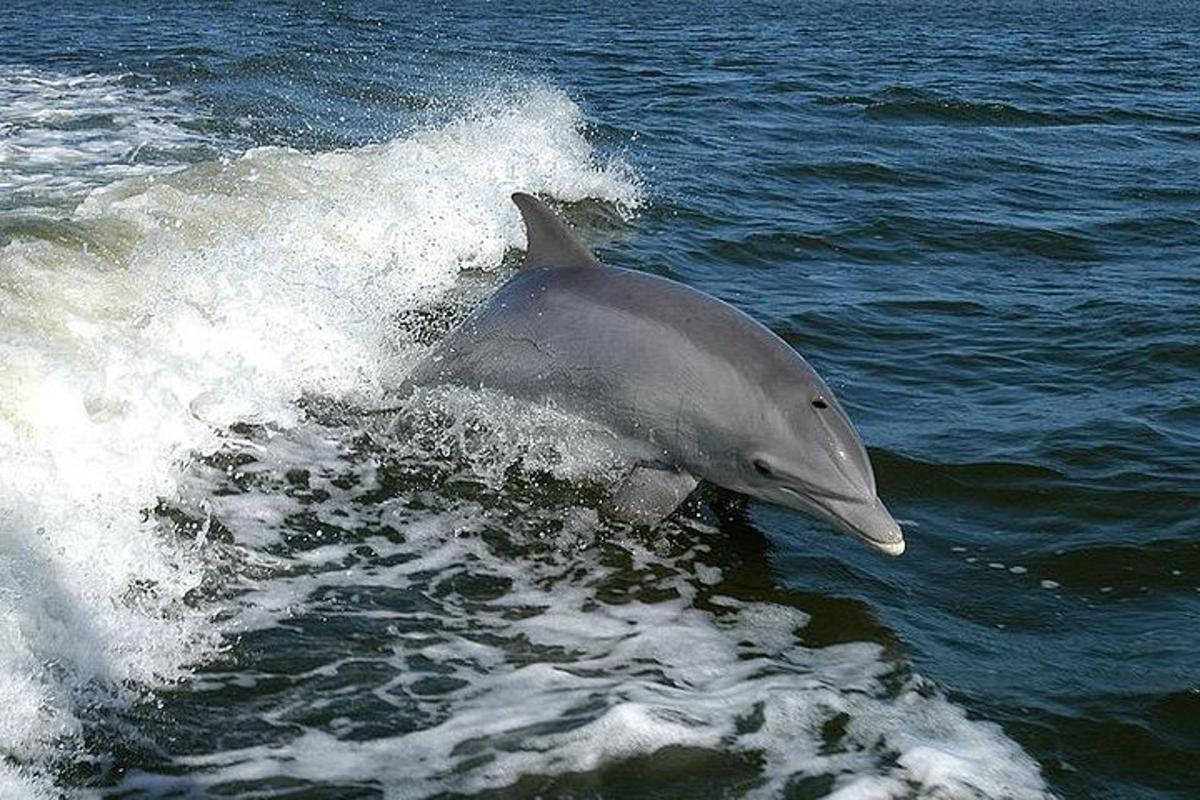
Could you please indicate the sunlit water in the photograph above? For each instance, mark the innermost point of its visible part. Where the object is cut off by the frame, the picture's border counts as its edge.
(225, 235)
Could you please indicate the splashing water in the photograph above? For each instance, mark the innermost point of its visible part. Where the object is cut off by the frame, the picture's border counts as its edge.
(169, 306)
(421, 607)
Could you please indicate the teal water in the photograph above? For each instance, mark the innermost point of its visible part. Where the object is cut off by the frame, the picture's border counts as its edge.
(228, 231)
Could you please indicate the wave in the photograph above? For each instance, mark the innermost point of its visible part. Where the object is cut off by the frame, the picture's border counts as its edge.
(172, 305)
(909, 104)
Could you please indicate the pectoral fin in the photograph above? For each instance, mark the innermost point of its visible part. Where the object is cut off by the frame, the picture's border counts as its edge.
(649, 493)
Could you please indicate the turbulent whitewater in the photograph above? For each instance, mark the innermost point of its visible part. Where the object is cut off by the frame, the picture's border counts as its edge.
(179, 491)
(164, 308)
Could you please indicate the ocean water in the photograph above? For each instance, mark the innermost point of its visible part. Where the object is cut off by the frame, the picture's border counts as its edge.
(227, 232)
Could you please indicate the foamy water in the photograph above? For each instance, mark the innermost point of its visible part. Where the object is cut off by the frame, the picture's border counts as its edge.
(63, 134)
(546, 648)
(174, 310)
(169, 306)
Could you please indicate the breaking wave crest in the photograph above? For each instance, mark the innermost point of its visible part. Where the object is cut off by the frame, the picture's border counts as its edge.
(171, 305)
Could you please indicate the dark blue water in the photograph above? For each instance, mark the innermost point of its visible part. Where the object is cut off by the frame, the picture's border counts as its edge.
(982, 226)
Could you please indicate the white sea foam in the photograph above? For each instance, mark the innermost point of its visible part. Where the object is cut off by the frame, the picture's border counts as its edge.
(171, 305)
(61, 135)
(555, 674)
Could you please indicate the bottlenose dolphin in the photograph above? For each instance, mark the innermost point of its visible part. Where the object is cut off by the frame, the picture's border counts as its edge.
(697, 388)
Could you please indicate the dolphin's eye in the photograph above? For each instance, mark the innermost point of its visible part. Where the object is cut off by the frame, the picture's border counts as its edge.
(820, 403)
(762, 468)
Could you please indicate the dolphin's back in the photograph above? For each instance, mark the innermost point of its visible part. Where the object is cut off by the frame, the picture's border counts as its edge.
(697, 388)
(634, 351)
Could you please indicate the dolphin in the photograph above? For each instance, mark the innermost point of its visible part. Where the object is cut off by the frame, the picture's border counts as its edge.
(696, 388)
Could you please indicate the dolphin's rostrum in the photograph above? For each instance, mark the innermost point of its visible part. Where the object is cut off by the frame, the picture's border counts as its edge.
(697, 388)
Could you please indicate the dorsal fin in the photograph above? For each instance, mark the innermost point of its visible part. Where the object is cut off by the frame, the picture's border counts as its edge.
(550, 242)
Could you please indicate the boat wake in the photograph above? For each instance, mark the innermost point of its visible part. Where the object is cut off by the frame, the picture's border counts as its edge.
(200, 537)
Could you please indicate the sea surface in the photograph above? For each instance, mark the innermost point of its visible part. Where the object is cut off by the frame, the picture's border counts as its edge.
(227, 231)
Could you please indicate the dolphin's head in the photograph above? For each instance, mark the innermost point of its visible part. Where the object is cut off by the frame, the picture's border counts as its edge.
(806, 455)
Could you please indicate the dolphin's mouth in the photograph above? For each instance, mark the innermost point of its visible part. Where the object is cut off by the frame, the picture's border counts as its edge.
(895, 548)
(865, 518)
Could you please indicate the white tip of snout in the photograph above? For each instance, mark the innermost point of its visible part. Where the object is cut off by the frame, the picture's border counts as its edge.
(872, 523)
(891, 548)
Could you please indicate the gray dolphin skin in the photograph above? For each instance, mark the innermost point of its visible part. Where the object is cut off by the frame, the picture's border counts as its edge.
(696, 388)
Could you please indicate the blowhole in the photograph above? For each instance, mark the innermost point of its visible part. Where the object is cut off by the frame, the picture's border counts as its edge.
(820, 403)
(761, 467)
